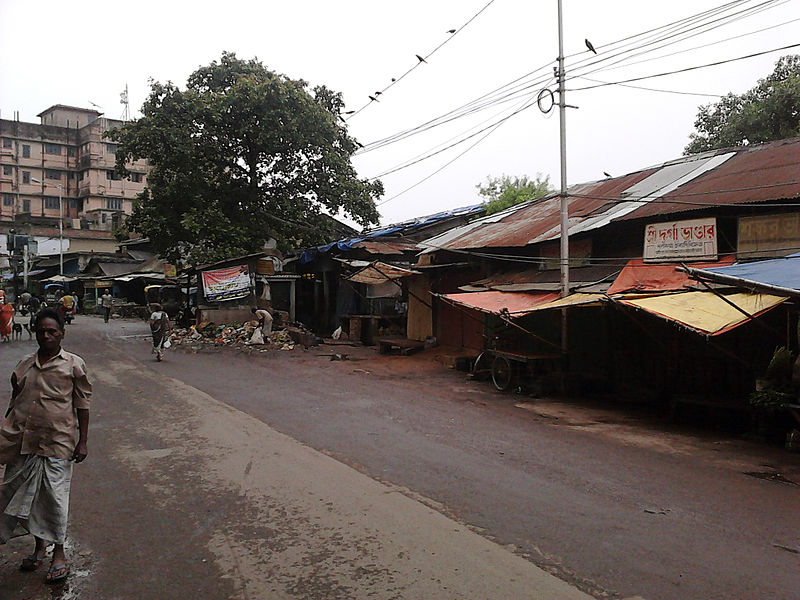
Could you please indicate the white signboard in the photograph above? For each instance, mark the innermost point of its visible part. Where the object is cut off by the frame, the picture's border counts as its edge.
(681, 240)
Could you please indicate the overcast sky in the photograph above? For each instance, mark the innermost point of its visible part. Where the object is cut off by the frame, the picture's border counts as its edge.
(74, 53)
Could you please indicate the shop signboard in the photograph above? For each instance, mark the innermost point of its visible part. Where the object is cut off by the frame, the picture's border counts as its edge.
(695, 239)
(231, 283)
(769, 234)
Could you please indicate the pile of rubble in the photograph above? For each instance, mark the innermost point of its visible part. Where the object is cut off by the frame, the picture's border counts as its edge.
(237, 335)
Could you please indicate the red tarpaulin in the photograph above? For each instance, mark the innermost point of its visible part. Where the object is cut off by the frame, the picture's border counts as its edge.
(494, 302)
(638, 276)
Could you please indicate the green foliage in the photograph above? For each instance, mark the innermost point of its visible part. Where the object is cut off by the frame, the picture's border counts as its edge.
(778, 391)
(780, 366)
(770, 401)
(505, 191)
(769, 111)
(241, 155)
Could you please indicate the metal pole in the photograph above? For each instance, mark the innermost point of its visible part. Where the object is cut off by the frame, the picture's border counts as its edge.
(60, 233)
(562, 118)
(25, 267)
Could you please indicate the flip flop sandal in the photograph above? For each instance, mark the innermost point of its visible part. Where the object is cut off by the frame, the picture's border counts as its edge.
(30, 563)
(50, 578)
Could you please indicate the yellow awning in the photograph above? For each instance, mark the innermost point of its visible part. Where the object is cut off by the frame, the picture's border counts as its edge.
(576, 299)
(705, 311)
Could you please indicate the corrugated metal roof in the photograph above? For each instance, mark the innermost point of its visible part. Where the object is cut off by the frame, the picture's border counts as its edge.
(753, 174)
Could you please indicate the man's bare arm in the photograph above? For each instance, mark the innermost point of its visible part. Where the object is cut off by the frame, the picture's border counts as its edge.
(81, 450)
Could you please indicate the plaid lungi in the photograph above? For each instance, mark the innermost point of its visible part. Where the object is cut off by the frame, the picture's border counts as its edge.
(34, 496)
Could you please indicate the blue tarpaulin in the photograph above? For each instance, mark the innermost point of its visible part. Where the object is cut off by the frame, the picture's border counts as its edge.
(781, 272)
(403, 228)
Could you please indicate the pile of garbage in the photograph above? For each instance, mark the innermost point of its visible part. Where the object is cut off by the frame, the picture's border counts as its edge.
(236, 335)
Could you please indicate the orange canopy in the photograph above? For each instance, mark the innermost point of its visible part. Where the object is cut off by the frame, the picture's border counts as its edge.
(641, 277)
(493, 302)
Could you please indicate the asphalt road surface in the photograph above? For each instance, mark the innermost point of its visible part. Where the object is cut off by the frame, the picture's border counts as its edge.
(290, 475)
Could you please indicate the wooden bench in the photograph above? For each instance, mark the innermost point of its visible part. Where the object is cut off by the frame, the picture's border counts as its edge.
(404, 346)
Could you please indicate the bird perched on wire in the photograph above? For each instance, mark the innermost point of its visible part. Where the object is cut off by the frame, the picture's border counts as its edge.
(421, 59)
(378, 93)
(373, 98)
(451, 31)
(606, 174)
(589, 46)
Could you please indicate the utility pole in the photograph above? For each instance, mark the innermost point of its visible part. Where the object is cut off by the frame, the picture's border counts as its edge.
(562, 118)
(25, 263)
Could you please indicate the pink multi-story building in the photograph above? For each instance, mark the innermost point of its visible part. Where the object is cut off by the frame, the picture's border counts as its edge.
(65, 152)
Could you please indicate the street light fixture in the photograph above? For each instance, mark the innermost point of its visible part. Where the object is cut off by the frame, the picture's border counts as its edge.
(60, 224)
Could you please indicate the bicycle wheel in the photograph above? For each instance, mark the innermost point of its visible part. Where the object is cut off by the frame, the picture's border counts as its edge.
(482, 367)
(502, 373)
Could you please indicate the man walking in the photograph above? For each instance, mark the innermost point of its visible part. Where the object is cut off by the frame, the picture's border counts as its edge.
(106, 301)
(45, 428)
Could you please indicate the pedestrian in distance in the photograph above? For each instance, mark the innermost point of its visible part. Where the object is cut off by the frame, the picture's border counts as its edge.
(45, 431)
(159, 327)
(34, 304)
(106, 301)
(6, 318)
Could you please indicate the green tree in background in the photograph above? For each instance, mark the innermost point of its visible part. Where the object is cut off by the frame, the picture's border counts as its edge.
(241, 155)
(504, 191)
(769, 111)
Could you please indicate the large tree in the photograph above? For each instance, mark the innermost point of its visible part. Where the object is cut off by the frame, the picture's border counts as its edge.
(769, 111)
(504, 191)
(240, 155)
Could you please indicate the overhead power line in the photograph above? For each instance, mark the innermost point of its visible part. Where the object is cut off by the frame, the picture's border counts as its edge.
(515, 88)
(686, 69)
(648, 89)
(422, 59)
(525, 106)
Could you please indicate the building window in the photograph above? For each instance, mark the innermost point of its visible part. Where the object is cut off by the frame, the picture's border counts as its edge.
(111, 148)
(114, 203)
(71, 175)
(26, 177)
(52, 174)
(26, 205)
(81, 175)
(76, 203)
(6, 143)
(85, 149)
(113, 176)
(51, 202)
(8, 199)
(26, 151)
(137, 177)
(52, 149)
(8, 170)
(71, 151)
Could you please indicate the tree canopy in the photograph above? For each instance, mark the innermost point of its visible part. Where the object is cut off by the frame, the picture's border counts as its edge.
(769, 111)
(504, 191)
(242, 154)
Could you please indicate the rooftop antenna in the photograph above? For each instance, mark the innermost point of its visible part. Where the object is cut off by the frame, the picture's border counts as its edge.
(123, 99)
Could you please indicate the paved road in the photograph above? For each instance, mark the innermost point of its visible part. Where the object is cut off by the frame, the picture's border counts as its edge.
(407, 482)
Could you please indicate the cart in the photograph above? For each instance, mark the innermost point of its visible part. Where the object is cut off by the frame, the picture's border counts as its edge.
(507, 365)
